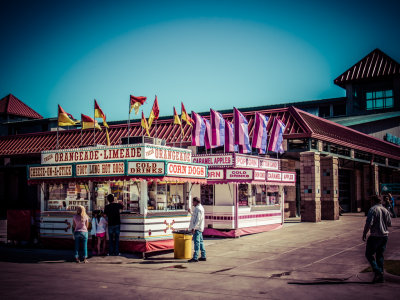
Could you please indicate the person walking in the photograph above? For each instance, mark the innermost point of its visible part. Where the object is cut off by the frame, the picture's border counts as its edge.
(197, 228)
(392, 203)
(114, 224)
(378, 221)
(80, 228)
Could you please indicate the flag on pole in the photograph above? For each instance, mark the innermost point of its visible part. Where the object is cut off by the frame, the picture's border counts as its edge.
(241, 129)
(177, 120)
(208, 135)
(155, 112)
(260, 133)
(199, 130)
(245, 148)
(108, 137)
(185, 117)
(98, 113)
(145, 125)
(230, 137)
(136, 102)
(89, 123)
(276, 139)
(65, 119)
(217, 128)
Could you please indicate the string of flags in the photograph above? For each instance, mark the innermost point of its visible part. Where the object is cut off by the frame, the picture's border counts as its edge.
(209, 133)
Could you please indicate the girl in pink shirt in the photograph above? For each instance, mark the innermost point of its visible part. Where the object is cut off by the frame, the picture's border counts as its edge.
(80, 228)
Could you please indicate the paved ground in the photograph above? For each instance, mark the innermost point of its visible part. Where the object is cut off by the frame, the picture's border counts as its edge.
(301, 261)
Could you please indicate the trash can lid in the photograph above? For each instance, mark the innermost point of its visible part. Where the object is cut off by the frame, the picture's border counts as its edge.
(183, 231)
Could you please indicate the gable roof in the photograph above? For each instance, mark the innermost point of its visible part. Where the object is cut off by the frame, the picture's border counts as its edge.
(332, 132)
(375, 65)
(11, 105)
(299, 124)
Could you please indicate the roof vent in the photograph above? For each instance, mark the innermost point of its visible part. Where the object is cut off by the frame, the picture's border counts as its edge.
(142, 140)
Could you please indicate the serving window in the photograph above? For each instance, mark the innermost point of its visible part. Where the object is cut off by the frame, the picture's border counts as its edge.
(266, 195)
(66, 196)
(126, 191)
(207, 194)
(163, 196)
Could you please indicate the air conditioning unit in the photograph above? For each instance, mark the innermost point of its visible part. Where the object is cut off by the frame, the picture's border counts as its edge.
(142, 140)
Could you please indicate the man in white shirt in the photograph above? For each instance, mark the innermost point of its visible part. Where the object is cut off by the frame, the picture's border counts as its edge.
(197, 228)
(377, 223)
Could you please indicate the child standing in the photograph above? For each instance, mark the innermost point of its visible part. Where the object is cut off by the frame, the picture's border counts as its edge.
(93, 233)
(101, 226)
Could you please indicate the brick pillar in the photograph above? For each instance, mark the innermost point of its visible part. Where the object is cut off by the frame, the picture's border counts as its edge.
(310, 187)
(290, 191)
(358, 189)
(370, 184)
(329, 188)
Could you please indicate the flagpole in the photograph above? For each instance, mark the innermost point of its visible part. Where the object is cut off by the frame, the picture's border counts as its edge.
(234, 130)
(57, 134)
(269, 138)
(129, 119)
(181, 135)
(94, 126)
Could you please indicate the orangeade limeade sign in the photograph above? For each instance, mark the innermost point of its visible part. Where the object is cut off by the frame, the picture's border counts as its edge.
(122, 152)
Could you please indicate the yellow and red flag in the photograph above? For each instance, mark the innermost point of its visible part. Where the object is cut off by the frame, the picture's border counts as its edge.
(177, 120)
(185, 117)
(65, 119)
(155, 112)
(145, 125)
(89, 123)
(136, 102)
(98, 113)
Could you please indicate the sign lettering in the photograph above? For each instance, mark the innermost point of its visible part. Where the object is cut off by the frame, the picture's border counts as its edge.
(50, 171)
(100, 169)
(146, 168)
(184, 170)
(274, 176)
(215, 174)
(259, 175)
(239, 174)
(123, 152)
(214, 160)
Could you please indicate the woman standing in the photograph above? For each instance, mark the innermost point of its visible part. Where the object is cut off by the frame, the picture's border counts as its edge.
(80, 225)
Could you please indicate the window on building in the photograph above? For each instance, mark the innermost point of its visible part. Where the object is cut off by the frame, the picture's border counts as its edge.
(339, 110)
(379, 99)
(324, 111)
(207, 194)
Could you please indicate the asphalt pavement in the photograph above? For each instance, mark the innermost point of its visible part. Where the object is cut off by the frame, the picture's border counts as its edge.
(321, 260)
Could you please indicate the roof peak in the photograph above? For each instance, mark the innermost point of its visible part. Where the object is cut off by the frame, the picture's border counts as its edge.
(11, 105)
(376, 64)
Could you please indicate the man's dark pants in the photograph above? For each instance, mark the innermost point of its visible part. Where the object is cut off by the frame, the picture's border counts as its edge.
(113, 235)
(376, 245)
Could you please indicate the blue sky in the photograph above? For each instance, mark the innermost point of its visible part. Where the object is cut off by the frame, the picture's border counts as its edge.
(208, 54)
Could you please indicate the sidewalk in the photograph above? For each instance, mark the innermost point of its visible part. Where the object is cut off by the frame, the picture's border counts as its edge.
(302, 260)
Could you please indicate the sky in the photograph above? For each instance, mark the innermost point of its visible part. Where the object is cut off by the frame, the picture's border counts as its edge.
(206, 54)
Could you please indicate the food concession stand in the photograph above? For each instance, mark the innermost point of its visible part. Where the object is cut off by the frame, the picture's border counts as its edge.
(153, 182)
(244, 194)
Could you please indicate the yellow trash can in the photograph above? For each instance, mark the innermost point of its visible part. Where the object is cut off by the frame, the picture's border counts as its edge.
(182, 244)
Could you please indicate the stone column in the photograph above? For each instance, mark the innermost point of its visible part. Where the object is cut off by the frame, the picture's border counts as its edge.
(329, 188)
(370, 184)
(310, 187)
(290, 191)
